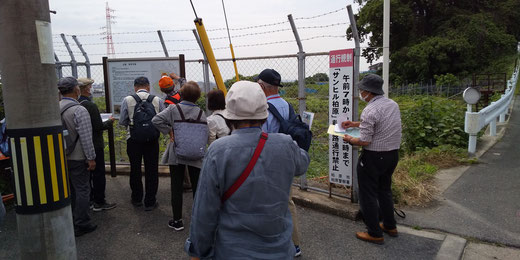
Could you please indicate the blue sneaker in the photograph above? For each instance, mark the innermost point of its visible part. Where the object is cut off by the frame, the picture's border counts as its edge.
(298, 251)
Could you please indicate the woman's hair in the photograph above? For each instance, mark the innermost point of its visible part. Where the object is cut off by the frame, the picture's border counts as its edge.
(216, 100)
(190, 91)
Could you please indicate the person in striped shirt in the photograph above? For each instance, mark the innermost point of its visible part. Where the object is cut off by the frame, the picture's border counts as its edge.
(380, 137)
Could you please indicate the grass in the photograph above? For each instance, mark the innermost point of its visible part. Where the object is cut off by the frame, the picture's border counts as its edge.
(413, 179)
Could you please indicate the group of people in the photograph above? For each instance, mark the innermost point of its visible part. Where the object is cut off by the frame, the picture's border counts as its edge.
(241, 183)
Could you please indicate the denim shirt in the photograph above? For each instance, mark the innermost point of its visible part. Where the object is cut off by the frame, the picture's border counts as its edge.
(255, 222)
(272, 125)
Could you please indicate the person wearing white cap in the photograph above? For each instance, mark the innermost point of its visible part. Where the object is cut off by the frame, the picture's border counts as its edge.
(245, 182)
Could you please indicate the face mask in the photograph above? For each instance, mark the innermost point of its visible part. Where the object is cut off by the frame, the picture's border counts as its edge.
(361, 97)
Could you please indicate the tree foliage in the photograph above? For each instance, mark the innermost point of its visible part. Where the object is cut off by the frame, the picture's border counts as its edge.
(437, 37)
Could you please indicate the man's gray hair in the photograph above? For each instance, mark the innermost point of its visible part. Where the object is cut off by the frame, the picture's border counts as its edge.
(267, 85)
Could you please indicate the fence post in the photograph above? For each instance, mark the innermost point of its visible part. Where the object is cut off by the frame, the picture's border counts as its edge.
(59, 72)
(87, 61)
(205, 67)
(73, 63)
(301, 84)
(162, 43)
(355, 149)
(493, 127)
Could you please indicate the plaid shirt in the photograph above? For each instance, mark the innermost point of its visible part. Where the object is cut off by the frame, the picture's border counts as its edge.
(83, 127)
(381, 125)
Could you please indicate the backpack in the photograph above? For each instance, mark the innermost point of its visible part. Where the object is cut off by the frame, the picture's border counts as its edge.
(190, 137)
(294, 126)
(142, 129)
(70, 144)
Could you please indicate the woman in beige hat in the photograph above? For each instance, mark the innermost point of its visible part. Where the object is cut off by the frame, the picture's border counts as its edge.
(251, 214)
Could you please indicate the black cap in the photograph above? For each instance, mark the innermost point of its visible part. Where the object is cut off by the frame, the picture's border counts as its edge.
(270, 76)
(141, 81)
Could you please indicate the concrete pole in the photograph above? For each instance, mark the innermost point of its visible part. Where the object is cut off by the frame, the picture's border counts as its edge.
(44, 219)
(386, 45)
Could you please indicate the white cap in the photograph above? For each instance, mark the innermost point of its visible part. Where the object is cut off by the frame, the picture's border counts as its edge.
(245, 100)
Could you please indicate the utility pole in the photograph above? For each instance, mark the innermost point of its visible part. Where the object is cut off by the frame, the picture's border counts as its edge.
(386, 46)
(42, 191)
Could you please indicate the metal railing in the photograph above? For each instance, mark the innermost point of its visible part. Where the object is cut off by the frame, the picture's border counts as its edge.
(475, 121)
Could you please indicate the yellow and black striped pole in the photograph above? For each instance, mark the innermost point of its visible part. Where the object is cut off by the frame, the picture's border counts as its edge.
(41, 180)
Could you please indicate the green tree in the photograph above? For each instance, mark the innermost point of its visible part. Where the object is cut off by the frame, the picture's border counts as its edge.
(437, 37)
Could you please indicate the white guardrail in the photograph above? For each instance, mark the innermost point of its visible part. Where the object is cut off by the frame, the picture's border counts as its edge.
(475, 121)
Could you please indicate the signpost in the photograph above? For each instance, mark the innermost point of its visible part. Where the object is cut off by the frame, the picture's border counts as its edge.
(341, 83)
(120, 74)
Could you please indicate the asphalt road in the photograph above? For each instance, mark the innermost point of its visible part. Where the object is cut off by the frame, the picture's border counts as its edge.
(484, 202)
(131, 233)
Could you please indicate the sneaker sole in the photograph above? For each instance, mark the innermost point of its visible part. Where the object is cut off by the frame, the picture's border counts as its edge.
(101, 209)
(298, 254)
(176, 229)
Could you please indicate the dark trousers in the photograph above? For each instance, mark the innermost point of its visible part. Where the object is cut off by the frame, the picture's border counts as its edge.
(80, 192)
(374, 172)
(177, 179)
(149, 151)
(97, 178)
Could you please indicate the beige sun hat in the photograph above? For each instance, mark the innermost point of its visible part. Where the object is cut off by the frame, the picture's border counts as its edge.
(83, 82)
(245, 101)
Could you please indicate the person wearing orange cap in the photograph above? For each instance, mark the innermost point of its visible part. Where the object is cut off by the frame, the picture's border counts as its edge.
(168, 87)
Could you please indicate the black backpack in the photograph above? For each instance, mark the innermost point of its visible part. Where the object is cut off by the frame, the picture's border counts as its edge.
(70, 144)
(143, 130)
(294, 126)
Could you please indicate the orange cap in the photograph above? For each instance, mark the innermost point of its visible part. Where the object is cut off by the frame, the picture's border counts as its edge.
(166, 82)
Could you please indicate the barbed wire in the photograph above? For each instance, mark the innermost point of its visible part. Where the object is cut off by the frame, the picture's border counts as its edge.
(321, 26)
(320, 15)
(209, 30)
(214, 38)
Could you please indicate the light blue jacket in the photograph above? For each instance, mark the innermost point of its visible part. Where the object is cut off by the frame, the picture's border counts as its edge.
(254, 223)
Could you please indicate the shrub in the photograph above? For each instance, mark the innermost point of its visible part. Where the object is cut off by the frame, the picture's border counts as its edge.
(432, 122)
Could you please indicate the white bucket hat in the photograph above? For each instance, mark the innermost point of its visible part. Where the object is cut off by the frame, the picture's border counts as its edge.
(245, 101)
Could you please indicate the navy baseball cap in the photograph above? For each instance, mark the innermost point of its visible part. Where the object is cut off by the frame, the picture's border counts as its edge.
(67, 83)
(270, 76)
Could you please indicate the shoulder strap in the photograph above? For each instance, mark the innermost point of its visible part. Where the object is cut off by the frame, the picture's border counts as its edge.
(275, 112)
(200, 115)
(292, 112)
(66, 107)
(137, 98)
(180, 112)
(150, 98)
(84, 100)
(247, 171)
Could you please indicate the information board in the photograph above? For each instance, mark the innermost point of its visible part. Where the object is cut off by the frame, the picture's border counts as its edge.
(341, 83)
(121, 73)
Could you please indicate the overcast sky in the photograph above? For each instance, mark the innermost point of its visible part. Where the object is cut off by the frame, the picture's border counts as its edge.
(139, 21)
